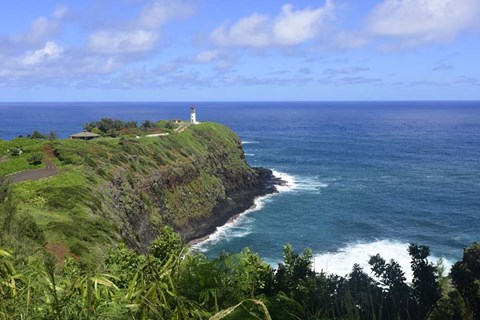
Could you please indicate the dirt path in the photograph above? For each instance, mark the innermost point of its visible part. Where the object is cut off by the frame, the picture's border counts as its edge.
(182, 127)
(3, 159)
(59, 251)
(35, 174)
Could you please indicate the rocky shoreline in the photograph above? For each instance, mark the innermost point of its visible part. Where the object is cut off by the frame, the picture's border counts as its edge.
(237, 202)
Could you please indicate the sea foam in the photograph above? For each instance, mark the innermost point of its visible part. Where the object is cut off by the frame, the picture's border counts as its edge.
(299, 183)
(239, 226)
(341, 261)
(289, 181)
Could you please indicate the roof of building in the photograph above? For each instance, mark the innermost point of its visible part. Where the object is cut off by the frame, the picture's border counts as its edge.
(85, 134)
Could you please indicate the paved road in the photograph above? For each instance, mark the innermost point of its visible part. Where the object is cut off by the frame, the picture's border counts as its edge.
(34, 174)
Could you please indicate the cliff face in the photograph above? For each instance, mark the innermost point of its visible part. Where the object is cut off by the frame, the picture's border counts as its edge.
(189, 199)
(194, 181)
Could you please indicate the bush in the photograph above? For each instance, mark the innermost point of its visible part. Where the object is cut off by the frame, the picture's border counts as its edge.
(36, 135)
(16, 152)
(148, 124)
(28, 228)
(168, 243)
(107, 125)
(35, 158)
(52, 135)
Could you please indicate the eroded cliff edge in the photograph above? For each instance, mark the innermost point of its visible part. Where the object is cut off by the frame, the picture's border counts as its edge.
(193, 181)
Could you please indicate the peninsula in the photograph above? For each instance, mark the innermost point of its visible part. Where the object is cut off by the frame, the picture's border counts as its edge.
(125, 185)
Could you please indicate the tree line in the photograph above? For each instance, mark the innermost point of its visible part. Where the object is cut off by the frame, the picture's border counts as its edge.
(113, 127)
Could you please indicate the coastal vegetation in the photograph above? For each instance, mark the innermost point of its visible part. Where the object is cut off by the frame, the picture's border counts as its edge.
(124, 189)
(171, 282)
(114, 127)
(106, 238)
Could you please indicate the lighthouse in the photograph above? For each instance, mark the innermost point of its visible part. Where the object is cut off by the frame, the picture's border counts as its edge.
(193, 116)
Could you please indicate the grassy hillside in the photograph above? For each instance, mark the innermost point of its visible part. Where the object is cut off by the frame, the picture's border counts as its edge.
(114, 190)
(126, 188)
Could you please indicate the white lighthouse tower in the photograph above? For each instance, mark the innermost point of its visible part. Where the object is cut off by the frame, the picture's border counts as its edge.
(193, 116)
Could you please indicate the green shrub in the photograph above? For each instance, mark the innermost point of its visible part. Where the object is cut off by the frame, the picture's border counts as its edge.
(35, 158)
(79, 248)
(15, 152)
(36, 135)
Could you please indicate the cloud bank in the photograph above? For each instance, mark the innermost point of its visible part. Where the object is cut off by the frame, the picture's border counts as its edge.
(415, 22)
(290, 27)
(131, 50)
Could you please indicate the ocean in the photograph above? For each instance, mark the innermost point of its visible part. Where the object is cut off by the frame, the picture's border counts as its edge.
(363, 177)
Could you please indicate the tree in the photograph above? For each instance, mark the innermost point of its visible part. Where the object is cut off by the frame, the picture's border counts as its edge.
(397, 292)
(168, 243)
(170, 125)
(109, 126)
(52, 135)
(147, 124)
(465, 276)
(112, 133)
(97, 131)
(426, 288)
(37, 135)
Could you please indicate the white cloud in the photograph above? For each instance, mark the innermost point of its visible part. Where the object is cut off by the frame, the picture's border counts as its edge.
(251, 31)
(294, 27)
(50, 51)
(41, 29)
(143, 32)
(342, 40)
(421, 21)
(223, 60)
(159, 12)
(122, 42)
(207, 56)
(60, 12)
(289, 28)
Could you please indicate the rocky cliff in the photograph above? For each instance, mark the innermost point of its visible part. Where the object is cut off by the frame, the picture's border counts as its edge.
(194, 181)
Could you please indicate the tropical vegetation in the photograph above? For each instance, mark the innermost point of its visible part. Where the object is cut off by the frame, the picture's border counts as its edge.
(66, 253)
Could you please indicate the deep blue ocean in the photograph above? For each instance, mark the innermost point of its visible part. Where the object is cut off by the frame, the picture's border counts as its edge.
(364, 177)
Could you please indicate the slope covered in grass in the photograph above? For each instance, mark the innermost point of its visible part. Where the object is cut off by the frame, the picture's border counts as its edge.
(127, 188)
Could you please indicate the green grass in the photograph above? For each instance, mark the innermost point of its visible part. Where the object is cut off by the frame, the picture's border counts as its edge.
(20, 143)
(18, 163)
(75, 208)
(61, 206)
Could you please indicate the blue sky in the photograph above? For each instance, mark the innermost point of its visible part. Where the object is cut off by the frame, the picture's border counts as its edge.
(217, 50)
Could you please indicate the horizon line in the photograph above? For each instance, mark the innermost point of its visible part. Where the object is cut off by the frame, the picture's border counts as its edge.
(232, 101)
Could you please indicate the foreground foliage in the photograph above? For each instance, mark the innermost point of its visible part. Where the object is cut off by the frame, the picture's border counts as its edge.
(171, 282)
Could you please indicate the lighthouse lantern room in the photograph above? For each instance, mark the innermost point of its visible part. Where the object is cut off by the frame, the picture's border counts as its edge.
(193, 116)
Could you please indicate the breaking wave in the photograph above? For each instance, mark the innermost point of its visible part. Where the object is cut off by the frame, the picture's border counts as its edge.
(341, 261)
(298, 183)
(240, 226)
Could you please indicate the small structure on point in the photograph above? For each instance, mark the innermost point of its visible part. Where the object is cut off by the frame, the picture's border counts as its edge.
(193, 116)
(84, 135)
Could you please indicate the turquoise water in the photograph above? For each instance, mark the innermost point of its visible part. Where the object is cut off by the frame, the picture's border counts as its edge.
(364, 177)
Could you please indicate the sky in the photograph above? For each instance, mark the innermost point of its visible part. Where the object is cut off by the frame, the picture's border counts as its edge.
(218, 50)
